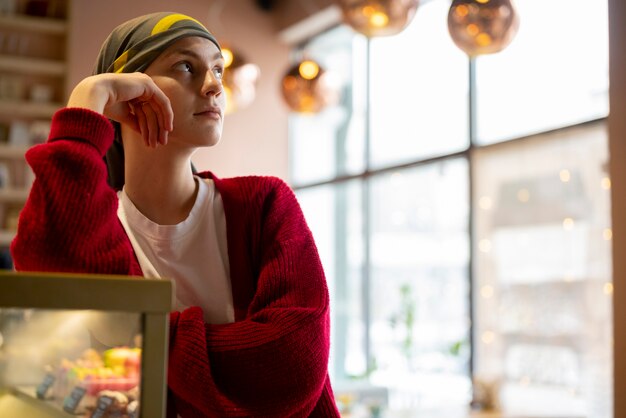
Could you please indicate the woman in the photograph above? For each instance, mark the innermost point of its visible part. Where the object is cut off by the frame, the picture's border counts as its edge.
(249, 334)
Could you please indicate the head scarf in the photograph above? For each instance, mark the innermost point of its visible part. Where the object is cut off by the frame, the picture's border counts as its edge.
(131, 47)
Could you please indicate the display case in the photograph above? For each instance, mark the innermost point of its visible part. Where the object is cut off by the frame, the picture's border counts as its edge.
(90, 346)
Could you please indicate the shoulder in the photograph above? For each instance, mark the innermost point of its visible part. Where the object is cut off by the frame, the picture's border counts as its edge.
(251, 186)
(257, 196)
(261, 182)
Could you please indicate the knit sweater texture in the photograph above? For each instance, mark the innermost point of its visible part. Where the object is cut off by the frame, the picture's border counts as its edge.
(273, 360)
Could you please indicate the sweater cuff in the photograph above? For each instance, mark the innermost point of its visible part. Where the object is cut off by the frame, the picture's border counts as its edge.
(82, 124)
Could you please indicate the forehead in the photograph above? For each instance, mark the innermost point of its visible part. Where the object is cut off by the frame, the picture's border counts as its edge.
(193, 45)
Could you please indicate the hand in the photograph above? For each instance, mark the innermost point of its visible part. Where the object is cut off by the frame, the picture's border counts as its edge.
(132, 99)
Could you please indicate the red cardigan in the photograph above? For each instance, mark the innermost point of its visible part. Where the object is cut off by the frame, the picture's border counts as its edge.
(272, 361)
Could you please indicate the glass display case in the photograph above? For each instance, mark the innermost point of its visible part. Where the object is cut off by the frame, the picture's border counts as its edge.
(91, 346)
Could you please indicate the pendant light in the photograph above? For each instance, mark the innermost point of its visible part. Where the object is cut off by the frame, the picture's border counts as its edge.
(482, 26)
(240, 79)
(308, 88)
(378, 17)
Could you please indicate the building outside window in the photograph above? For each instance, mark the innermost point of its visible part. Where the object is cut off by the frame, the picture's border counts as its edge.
(461, 210)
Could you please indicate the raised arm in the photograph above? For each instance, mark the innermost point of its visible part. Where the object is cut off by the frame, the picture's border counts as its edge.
(69, 222)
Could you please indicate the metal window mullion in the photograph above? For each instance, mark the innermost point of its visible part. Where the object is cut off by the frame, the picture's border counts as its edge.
(473, 129)
(365, 201)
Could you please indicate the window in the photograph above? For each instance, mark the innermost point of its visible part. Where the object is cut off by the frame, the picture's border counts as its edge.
(465, 244)
(419, 90)
(543, 282)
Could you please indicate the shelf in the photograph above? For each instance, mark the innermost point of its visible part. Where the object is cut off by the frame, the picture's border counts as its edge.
(42, 43)
(24, 109)
(27, 65)
(24, 400)
(34, 24)
(6, 237)
(9, 195)
(571, 340)
(13, 152)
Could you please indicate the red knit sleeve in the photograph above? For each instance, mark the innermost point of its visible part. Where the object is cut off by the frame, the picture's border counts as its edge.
(273, 363)
(69, 222)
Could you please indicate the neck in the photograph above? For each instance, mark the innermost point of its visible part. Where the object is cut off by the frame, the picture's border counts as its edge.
(160, 183)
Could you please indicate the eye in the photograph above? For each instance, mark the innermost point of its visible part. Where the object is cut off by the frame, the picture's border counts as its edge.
(184, 66)
(219, 72)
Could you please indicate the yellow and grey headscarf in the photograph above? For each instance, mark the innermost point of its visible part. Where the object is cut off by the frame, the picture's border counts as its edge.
(131, 47)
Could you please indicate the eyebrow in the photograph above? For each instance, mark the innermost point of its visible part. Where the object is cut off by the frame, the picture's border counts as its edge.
(194, 54)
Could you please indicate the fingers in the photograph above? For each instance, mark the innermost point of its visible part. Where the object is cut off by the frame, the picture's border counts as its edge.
(164, 110)
(157, 133)
(135, 99)
(150, 123)
(142, 122)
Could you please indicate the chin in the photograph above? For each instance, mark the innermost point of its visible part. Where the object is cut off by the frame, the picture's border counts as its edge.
(212, 138)
(194, 141)
(212, 142)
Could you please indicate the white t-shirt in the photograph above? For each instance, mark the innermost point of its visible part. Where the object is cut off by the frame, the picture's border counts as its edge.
(192, 253)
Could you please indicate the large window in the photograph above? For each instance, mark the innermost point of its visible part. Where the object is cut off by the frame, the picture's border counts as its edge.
(461, 210)
(543, 283)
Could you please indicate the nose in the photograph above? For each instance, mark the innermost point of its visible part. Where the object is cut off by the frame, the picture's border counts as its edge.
(211, 85)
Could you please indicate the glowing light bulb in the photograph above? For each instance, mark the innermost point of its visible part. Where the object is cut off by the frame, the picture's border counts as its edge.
(378, 17)
(488, 337)
(229, 56)
(484, 245)
(308, 88)
(523, 195)
(486, 291)
(308, 69)
(239, 81)
(568, 224)
(485, 202)
(482, 26)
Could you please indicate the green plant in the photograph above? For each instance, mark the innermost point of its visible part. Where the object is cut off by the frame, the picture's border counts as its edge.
(405, 317)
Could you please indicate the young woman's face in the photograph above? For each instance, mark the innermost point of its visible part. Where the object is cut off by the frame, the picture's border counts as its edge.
(190, 74)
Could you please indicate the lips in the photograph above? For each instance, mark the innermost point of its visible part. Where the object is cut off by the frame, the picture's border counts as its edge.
(210, 111)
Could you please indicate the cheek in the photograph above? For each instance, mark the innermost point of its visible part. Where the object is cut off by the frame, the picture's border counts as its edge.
(221, 98)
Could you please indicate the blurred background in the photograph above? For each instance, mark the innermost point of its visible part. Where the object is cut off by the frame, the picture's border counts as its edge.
(460, 199)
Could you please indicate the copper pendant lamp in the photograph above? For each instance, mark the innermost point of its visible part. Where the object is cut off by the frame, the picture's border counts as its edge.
(240, 79)
(378, 17)
(308, 88)
(482, 26)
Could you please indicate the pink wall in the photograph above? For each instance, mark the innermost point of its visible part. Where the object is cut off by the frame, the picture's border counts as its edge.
(255, 139)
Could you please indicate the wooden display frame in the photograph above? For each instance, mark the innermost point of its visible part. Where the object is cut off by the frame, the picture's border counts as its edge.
(151, 298)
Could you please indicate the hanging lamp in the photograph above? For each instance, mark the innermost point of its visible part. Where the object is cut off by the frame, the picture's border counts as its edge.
(482, 26)
(378, 17)
(240, 79)
(308, 88)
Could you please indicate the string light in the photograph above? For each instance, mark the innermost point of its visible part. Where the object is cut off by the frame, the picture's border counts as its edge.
(568, 224)
(484, 245)
(486, 291)
(485, 202)
(488, 337)
(523, 195)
